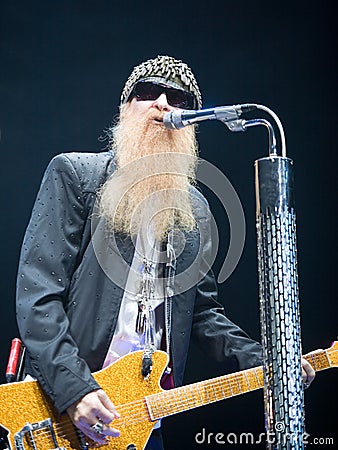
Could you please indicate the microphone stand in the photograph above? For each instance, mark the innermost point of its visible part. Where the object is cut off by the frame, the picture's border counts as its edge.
(278, 291)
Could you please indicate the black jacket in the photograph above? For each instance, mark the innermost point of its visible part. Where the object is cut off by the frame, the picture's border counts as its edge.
(68, 304)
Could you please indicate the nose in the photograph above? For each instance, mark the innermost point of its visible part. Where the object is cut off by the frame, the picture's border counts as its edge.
(161, 103)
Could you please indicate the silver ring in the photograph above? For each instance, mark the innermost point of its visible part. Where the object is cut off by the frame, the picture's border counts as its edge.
(306, 385)
(97, 427)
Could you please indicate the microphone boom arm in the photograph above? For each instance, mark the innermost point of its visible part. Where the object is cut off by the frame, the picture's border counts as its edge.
(242, 125)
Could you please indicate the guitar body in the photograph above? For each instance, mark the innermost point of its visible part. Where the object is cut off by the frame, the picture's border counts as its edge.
(25, 403)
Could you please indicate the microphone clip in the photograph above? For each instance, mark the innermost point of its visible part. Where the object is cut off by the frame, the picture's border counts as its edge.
(235, 125)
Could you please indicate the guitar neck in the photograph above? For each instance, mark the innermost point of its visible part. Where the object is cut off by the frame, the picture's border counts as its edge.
(202, 393)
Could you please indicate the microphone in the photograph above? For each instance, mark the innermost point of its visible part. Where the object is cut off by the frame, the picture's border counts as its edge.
(180, 118)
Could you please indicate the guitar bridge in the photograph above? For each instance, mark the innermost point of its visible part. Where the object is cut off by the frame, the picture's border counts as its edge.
(36, 436)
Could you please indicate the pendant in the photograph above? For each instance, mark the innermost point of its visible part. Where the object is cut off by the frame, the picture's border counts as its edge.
(141, 317)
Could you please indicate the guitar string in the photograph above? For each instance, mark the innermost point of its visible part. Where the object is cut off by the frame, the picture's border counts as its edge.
(233, 380)
(236, 388)
(132, 418)
(216, 385)
(212, 390)
(206, 384)
(190, 400)
(140, 418)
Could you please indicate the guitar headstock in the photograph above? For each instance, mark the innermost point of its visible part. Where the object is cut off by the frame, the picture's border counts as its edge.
(332, 354)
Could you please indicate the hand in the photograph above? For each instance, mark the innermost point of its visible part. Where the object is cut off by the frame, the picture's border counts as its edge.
(308, 373)
(92, 408)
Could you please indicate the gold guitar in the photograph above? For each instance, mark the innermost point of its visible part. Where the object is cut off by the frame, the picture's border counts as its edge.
(29, 421)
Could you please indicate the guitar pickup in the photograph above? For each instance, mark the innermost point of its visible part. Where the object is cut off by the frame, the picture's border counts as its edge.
(36, 436)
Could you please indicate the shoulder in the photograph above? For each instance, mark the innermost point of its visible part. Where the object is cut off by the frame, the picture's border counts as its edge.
(90, 169)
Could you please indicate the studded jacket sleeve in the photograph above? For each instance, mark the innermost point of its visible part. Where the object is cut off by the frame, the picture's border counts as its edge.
(49, 256)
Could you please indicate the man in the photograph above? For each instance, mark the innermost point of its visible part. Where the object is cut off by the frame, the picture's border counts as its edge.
(115, 257)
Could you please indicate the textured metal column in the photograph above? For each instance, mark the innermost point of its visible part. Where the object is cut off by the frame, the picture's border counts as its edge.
(279, 303)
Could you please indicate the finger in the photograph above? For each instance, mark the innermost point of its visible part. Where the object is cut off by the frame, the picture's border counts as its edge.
(100, 411)
(100, 436)
(100, 428)
(90, 410)
(304, 376)
(110, 431)
(108, 404)
(96, 437)
(308, 373)
(308, 369)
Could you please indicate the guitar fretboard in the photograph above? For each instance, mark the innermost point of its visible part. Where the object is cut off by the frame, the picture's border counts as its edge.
(204, 392)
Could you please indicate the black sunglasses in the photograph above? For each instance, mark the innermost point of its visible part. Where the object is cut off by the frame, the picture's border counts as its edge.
(146, 90)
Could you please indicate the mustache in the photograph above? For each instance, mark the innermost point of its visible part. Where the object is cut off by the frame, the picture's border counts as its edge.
(155, 115)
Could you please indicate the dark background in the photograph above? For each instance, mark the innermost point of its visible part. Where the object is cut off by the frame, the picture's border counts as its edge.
(63, 66)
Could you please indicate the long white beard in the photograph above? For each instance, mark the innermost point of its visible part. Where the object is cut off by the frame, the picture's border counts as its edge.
(155, 167)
